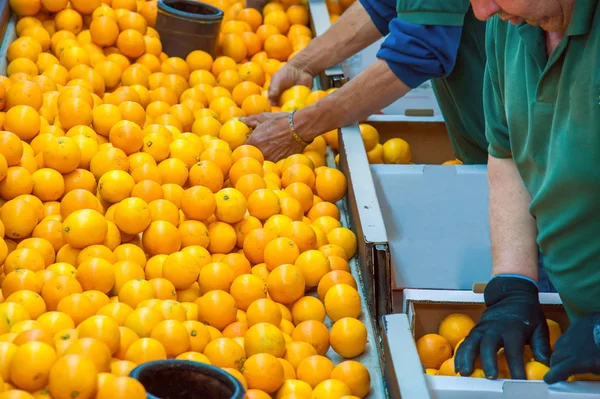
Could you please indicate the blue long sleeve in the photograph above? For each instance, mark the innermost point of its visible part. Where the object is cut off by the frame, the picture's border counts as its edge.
(417, 53)
(381, 12)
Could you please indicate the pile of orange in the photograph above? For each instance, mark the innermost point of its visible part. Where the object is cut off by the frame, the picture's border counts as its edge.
(436, 351)
(136, 224)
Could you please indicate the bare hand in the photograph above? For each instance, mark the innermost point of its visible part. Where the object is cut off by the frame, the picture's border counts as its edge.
(287, 77)
(272, 135)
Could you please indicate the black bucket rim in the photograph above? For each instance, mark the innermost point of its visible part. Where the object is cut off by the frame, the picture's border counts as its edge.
(238, 388)
(216, 16)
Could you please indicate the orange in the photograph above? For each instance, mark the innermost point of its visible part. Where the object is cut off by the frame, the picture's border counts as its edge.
(84, 227)
(263, 371)
(142, 320)
(133, 292)
(313, 332)
(314, 265)
(31, 364)
(198, 334)
(24, 258)
(77, 199)
(217, 309)
(278, 47)
(341, 301)
(433, 350)
(308, 308)
(77, 306)
(132, 215)
(121, 387)
(234, 133)
(344, 238)
(238, 262)
(230, 205)
(62, 154)
(331, 389)
(256, 104)
(222, 237)
(58, 288)
(233, 46)
(30, 300)
(48, 184)
(181, 269)
(300, 192)
(103, 329)
(286, 284)
(147, 190)
(161, 237)
(535, 370)
(20, 279)
(173, 335)
(116, 311)
(251, 16)
(10, 147)
(252, 72)
(331, 185)
(126, 271)
(279, 252)
(297, 15)
(173, 171)
(73, 375)
(264, 338)
(225, 352)
(255, 243)
(215, 276)
(314, 370)
(297, 351)
(104, 31)
(396, 151)
(456, 327)
(199, 59)
(348, 337)
(50, 230)
(198, 203)
(244, 227)
(246, 289)
(13, 313)
(144, 350)
(19, 219)
(301, 234)
(323, 209)
(24, 121)
(122, 368)
(127, 136)
(131, 43)
(555, 332)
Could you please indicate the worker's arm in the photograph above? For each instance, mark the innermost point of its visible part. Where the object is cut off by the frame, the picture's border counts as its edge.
(411, 55)
(513, 317)
(513, 230)
(357, 28)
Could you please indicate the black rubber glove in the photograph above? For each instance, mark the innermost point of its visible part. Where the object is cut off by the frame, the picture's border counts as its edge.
(513, 319)
(577, 351)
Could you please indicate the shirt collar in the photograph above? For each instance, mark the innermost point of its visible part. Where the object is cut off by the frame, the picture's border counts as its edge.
(583, 15)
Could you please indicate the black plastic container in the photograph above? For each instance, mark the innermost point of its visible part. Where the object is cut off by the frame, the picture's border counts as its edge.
(186, 25)
(183, 379)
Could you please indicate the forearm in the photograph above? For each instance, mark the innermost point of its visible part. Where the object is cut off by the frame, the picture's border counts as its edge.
(513, 230)
(355, 101)
(351, 33)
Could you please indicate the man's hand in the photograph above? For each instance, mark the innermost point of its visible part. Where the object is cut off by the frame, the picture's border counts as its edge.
(272, 135)
(288, 76)
(513, 319)
(577, 351)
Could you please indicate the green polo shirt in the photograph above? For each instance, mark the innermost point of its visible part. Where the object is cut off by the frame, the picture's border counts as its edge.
(544, 112)
(460, 95)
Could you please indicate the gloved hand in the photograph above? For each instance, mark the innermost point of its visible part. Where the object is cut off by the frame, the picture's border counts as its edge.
(288, 76)
(513, 319)
(577, 351)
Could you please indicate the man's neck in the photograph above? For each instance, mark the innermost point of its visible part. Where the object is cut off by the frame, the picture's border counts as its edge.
(553, 39)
